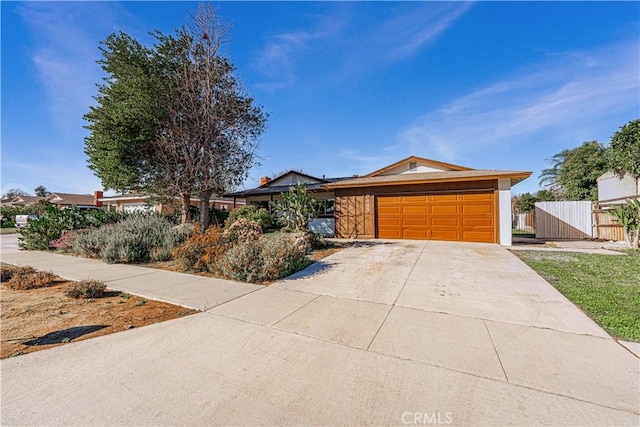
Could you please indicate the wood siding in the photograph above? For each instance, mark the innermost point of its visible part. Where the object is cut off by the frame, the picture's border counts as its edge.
(606, 227)
(356, 207)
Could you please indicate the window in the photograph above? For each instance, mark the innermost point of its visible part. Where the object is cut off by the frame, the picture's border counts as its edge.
(328, 210)
(413, 166)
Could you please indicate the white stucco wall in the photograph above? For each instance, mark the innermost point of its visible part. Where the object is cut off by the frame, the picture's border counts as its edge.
(324, 226)
(402, 169)
(612, 187)
(504, 206)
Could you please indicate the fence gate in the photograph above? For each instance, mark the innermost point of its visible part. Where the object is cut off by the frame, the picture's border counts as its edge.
(564, 220)
(523, 224)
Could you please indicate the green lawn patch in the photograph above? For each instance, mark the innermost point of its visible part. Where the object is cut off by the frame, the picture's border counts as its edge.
(606, 287)
(8, 230)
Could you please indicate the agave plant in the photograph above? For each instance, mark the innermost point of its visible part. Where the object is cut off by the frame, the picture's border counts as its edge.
(628, 215)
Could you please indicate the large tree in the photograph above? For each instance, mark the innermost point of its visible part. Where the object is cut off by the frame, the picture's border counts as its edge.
(173, 119)
(13, 193)
(210, 134)
(624, 150)
(131, 106)
(527, 202)
(574, 172)
(41, 191)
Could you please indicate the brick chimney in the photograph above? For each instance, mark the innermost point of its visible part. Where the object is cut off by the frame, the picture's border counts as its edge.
(97, 195)
(264, 180)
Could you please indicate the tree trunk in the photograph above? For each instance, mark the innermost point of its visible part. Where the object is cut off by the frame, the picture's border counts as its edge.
(204, 209)
(184, 208)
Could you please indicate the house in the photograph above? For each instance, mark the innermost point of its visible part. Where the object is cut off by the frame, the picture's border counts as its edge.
(81, 200)
(59, 200)
(414, 198)
(613, 189)
(133, 202)
(21, 201)
(271, 189)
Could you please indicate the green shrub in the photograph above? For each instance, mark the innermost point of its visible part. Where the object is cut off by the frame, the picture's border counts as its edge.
(39, 233)
(28, 278)
(100, 217)
(202, 250)
(138, 238)
(269, 258)
(297, 208)
(251, 213)
(91, 242)
(8, 224)
(218, 217)
(86, 289)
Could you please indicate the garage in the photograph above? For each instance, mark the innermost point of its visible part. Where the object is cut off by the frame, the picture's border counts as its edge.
(469, 217)
(424, 199)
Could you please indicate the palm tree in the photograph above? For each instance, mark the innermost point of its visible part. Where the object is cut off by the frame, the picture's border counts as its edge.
(549, 177)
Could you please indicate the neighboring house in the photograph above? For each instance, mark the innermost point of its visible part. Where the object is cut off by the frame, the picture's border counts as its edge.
(144, 202)
(59, 200)
(615, 190)
(270, 190)
(21, 201)
(415, 198)
(81, 200)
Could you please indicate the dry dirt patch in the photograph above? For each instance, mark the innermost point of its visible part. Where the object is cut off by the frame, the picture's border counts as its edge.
(36, 319)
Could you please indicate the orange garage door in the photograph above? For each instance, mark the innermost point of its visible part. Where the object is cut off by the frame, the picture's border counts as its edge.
(467, 217)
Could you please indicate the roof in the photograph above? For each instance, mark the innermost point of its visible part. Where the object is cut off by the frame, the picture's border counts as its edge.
(429, 177)
(267, 189)
(129, 196)
(26, 199)
(423, 160)
(144, 196)
(271, 181)
(71, 199)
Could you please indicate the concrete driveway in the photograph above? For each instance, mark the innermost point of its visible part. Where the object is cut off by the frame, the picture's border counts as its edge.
(385, 333)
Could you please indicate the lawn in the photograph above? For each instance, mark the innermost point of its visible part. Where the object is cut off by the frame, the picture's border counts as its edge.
(8, 230)
(606, 287)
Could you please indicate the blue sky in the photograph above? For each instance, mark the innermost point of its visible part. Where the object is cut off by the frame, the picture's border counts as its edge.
(350, 86)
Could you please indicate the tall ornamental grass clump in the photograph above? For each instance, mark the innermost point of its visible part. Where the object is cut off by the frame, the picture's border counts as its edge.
(139, 238)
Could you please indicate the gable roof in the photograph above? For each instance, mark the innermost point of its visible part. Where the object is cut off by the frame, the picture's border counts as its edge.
(267, 189)
(430, 177)
(292, 172)
(71, 199)
(417, 159)
(26, 200)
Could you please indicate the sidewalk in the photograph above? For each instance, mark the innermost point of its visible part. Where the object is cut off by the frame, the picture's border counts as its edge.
(399, 333)
(188, 290)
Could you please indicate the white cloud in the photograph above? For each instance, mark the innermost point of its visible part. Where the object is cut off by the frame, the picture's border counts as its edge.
(340, 44)
(554, 97)
(62, 40)
(405, 34)
(64, 49)
(277, 60)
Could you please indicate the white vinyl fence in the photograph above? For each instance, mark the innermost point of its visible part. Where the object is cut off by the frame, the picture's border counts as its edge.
(564, 220)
